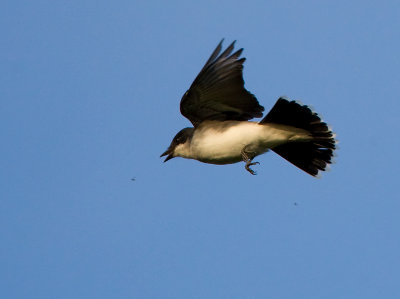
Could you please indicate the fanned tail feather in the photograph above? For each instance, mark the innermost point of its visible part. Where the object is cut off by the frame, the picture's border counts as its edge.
(311, 156)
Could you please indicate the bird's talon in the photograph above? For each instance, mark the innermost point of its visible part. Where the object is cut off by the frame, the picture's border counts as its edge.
(247, 167)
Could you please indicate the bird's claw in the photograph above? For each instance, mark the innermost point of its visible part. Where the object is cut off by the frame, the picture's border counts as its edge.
(247, 157)
(247, 167)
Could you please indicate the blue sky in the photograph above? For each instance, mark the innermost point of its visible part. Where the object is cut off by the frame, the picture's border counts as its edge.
(90, 95)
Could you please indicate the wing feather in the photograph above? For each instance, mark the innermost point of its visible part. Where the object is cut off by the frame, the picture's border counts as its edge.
(218, 91)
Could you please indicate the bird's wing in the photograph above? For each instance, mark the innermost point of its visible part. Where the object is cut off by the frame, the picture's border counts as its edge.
(218, 91)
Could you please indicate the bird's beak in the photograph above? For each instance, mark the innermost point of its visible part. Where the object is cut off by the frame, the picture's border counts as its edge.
(169, 153)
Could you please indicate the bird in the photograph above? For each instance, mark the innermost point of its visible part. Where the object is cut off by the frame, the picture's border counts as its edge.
(220, 109)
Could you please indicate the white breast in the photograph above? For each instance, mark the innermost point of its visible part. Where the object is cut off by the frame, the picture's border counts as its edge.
(222, 142)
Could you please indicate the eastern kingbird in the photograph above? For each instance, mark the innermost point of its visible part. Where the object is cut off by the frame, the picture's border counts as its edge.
(219, 107)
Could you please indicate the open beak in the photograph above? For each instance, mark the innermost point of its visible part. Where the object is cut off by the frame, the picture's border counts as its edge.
(169, 153)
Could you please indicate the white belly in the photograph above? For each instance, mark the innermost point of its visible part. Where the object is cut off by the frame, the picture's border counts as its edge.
(222, 142)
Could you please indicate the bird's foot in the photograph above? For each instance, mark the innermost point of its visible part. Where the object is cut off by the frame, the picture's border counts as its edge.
(247, 167)
(248, 156)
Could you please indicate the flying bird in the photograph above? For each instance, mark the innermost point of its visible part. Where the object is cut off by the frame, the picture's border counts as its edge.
(219, 107)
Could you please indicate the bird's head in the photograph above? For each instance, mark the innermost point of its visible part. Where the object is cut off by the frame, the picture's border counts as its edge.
(180, 145)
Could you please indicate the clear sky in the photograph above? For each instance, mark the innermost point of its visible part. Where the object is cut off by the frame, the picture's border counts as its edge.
(90, 95)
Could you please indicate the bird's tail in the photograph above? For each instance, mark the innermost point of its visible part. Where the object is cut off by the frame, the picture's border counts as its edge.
(311, 156)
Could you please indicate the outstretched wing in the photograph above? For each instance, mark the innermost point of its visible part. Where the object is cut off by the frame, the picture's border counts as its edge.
(218, 91)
